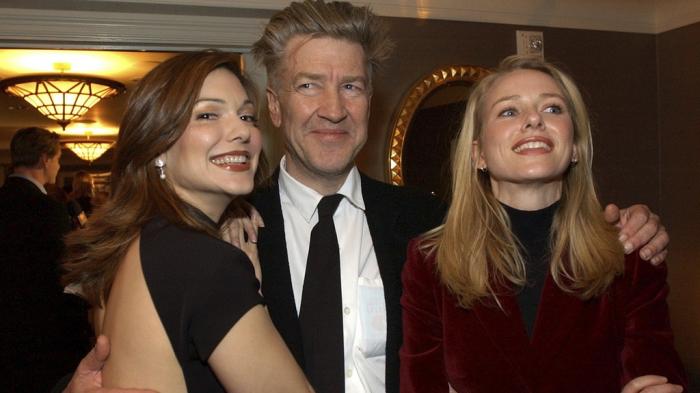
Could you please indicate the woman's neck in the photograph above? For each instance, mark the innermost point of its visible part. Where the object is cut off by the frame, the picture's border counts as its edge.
(529, 197)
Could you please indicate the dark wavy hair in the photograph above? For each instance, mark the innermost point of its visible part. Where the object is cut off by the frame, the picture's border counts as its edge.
(156, 115)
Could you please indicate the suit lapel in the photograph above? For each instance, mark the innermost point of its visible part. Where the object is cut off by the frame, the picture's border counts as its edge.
(274, 262)
(382, 213)
(381, 219)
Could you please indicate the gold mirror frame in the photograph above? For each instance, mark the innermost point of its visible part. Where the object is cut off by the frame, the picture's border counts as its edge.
(411, 102)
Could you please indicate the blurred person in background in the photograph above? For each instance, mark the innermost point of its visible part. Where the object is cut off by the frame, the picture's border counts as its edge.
(41, 329)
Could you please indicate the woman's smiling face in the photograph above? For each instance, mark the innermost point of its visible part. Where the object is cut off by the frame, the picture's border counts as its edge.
(217, 155)
(528, 137)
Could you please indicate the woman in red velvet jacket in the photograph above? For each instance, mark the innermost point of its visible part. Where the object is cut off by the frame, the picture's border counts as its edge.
(525, 287)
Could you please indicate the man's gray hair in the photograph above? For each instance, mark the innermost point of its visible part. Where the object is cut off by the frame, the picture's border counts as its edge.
(317, 18)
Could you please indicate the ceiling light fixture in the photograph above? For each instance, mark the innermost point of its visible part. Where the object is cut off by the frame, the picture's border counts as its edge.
(61, 97)
(89, 149)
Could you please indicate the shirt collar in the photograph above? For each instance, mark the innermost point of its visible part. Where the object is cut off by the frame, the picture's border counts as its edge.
(31, 179)
(306, 199)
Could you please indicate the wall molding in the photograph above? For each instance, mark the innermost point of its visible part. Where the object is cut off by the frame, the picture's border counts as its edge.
(641, 16)
(112, 30)
(21, 27)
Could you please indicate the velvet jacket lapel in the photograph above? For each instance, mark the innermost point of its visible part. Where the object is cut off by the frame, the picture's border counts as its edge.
(527, 357)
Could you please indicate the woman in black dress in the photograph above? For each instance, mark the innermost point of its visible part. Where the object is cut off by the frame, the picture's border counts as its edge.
(180, 306)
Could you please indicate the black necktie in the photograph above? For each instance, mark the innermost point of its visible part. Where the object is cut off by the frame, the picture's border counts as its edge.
(320, 316)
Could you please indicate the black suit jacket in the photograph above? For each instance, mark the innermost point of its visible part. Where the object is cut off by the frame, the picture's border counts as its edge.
(394, 216)
(44, 331)
(32, 226)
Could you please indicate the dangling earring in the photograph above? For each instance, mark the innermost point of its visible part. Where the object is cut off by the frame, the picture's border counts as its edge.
(160, 167)
(483, 169)
(574, 161)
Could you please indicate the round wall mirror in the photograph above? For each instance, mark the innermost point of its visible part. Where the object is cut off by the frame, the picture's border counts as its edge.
(424, 126)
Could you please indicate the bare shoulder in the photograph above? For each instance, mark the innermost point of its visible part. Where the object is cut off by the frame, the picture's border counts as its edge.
(141, 354)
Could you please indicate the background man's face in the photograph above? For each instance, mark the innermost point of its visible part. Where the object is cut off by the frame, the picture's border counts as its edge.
(321, 103)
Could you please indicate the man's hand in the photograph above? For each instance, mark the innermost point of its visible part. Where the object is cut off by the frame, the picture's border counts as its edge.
(241, 216)
(640, 227)
(88, 376)
(651, 384)
(241, 230)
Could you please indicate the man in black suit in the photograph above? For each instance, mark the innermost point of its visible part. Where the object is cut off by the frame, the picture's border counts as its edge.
(34, 345)
(320, 59)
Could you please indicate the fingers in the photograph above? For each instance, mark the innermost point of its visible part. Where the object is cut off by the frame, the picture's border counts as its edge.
(651, 237)
(636, 385)
(230, 231)
(612, 214)
(651, 384)
(659, 258)
(665, 388)
(244, 217)
(251, 230)
(95, 359)
(639, 227)
(655, 251)
(88, 375)
(636, 227)
(256, 217)
(102, 349)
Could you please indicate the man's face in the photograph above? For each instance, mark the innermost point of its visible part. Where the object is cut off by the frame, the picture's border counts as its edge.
(51, 167)
(321, 103)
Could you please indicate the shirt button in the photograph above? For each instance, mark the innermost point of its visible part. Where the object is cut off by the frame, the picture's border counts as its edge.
(348, 373)
(346, 311)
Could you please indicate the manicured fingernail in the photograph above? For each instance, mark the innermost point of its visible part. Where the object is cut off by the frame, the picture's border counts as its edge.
(645, 254)
(622, 238)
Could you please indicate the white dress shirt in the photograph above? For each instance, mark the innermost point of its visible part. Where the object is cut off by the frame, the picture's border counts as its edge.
(364, 309)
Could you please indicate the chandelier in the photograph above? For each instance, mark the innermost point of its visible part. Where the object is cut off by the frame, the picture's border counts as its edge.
(61, 97)
(89, 149)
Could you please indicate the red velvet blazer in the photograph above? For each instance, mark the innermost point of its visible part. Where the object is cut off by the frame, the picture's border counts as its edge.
(577, 346)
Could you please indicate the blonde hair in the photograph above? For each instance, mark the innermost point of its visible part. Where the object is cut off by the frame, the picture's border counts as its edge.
(476, 251)
(317, 18)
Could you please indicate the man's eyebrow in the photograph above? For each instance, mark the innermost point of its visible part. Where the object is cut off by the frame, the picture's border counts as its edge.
(318, 77)
(354, 78)
(308, 75)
